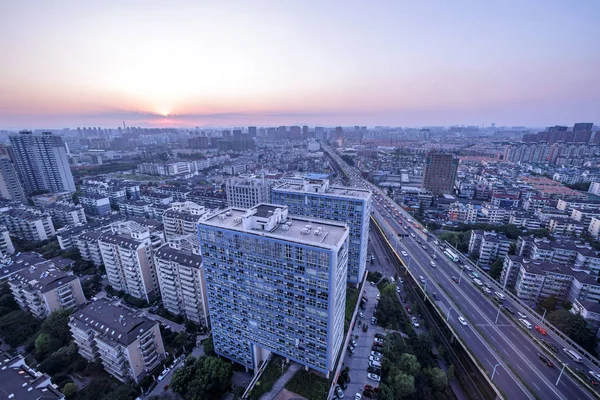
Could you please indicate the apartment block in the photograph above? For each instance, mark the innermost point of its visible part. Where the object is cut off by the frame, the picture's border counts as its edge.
(275, 283)
(537, 280)
(488, 246)
(439, 173)
(66, 214)
(42, 288)
(6, 244)
(246, 192)
(315, 198)
(95, 204)
(30, 225)
(20, 381)
(135, 208)
(182, 219)
(89, 246)
(10, 187)
(181, 278)
(128, 344)
(42, 162)
(46, 199)
(127, 256)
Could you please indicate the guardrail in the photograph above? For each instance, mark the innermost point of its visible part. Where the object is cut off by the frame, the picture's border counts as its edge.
(534, 315)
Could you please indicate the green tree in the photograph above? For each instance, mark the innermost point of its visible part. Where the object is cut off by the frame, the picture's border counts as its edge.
(496, 268)
(202, 378)
(409, 364)
(512, 250)
(209, 346)
(574, 326)
(403, 385)
(45, 345)
(57, 326)
(69, 390)
(385, 393)
(451, 372)
(437, 378)
(549, 303)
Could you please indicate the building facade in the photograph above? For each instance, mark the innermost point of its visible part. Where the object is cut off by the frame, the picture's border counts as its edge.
(42, 162)
(6, 245)
(246, 192)
(10, 187)
(182, 219)
(440, 173)
(128, 345)
(275, 283)
(315, 198)
(29, 225)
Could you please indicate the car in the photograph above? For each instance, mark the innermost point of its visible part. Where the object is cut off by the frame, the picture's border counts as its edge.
(421, 279)
(462, 320)
(432, 263)
(376, 354)
(338, 392)
(378, 296)
(509, 310)
(365, 327)
(541, 330)
(353, 342)
(594, 377)
(435, 296)
(373, 321)
(415, 322)
(487, 291)
(405, 254)
(398, 290)
(434, 256)
(545, 360)
(455, 279)
(343, 383)
(358, 396)
(408, 309)
(411, 234)
(380, 335)
(369, 387)
(549, 345)
(521, 315)
(371, 358)
(378, 340)
(163, 374)
(351, 349)
(377, 348)
(361, 314)
(400, 280)
(374, 377)
(372, 283)
(374, 370)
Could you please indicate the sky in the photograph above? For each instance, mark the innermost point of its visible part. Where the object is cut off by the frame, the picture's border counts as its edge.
(191, 63)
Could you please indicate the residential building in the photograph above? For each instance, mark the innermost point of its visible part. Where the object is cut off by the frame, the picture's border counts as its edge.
(66, 214)
(488, 246)
(135, 208)
(248, 191)
(89, 247)
(30, 225)
(275, 283)
(43, 288)
(45, 199)
(127, 256)
(129, 345)
(181, 278)
(20, 381)
(182, 219)
(594, 188)
(316, 198)
(594, 227)
(95, 204)
(10, 187)
(537, 280)
(439, 173)
(565, 227)
(6, 244)
(42, 162)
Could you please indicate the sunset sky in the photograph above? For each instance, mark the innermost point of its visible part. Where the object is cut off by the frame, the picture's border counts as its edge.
(231, 63)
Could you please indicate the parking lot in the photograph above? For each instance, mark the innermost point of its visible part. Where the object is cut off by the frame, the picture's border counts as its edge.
(359, 361)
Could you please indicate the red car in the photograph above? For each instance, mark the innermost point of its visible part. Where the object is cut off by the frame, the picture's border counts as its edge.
(408, 309)
(541, 330)
(369, 387)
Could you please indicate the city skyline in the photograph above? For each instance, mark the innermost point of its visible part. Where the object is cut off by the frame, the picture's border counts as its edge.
(270, 63)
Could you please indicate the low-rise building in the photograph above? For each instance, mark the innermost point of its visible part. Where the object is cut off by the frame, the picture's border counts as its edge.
(30, 225)
(95, 204)
(128, 344)
(488, 246)
(6, 244)
(42, 288)
(182, 218)
(66, 214)
(20, 381)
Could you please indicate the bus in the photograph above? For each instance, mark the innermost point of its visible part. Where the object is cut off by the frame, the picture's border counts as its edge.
(576, 357)
(451, 255)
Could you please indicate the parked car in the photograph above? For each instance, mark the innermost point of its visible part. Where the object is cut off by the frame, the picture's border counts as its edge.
(351, 349)
(405, 254)
(373, 321)
(373, 377)
(358, 396)
(398, 290)
(408, 309)
(361, 314)
(377, 349)
(415, 322)
(163, 374)
(376, 354)
(378, 340)
(353, 342)
(371, 358)
(380, 335)
(338, 392)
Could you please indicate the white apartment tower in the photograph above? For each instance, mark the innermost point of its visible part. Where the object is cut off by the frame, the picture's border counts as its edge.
(127, 256)
(275, 283)
(182, 219)
(248, 191)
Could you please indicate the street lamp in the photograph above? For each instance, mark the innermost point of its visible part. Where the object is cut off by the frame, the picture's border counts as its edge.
(498, 315)
(561, 372)
(494, 371)
(543, 315)
(425, 290)
(460, 276)
(448, 315)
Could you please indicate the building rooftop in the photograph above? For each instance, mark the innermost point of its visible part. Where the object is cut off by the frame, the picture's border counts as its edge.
(257, 220)
(321, 187)
(183, 257)
(43, 276)
(19, 381)
(114, 323)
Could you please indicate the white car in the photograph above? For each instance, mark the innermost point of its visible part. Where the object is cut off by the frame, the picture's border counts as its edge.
(358, 396)
(421, 279)
(376, 354)
(373, 358)
(398, 290)
(432, 263)
(412, 235)
(361, 314)
(164, 374)
(462, 320)
(404, 254)
(378, 296)
(415, 322)
(520, 314)
(374, 377)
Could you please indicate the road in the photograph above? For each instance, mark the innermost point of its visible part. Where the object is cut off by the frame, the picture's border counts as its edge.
(520, 373)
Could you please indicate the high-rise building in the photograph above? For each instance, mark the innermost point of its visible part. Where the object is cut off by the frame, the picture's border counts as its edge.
(440, 172)
(129, 345)
(42, 288)
(28, 224)
(181, 278)
(182, 219)
(10, 187)
(127, 256)
(42, 162)
(275, 283)
(315, 198)
(247, 191)
(252, 131)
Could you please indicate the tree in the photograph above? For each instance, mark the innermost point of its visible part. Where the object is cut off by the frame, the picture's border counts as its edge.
(402, 384)
(57, 326)
(385, 393)
(69, 390)
(437, 378)
(202, 378)
(451, 372)
(574, 326)
(549, 303)
(45, 345)
(209, 346)
(512, 250)
(496, 268)
(409, 364)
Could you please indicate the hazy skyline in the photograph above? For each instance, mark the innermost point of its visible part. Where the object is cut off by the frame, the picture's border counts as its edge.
(401, 63)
